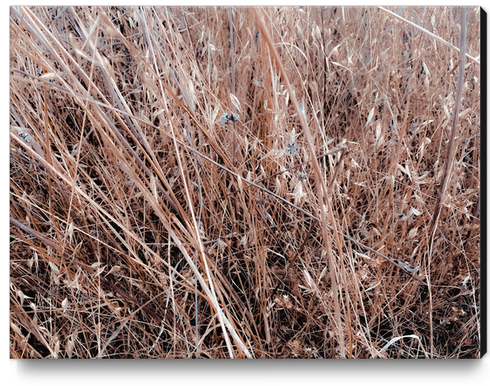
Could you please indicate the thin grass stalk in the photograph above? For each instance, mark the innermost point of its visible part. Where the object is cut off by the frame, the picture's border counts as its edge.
(447, 166)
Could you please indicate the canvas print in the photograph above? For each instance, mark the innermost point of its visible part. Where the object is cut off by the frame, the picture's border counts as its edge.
(245, 182)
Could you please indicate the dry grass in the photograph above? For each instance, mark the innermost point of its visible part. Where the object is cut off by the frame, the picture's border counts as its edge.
(177, 195)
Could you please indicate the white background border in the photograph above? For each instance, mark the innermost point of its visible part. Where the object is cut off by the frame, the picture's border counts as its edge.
(238, 372)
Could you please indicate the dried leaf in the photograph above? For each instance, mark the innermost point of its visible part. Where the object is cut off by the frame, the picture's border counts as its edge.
(64, 305)
(370, 116)
(235, 102)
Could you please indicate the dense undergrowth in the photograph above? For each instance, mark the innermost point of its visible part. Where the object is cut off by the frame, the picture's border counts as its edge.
(183, 189)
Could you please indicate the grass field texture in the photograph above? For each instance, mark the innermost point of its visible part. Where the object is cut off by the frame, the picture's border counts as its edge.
(230, 182)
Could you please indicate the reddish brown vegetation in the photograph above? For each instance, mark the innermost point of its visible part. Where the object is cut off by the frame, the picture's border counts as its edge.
(149, 221)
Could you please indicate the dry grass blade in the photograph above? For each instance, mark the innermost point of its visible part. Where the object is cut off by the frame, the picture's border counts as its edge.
(449, 160)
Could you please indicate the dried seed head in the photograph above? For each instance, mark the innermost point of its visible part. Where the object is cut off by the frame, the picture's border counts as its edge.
(228, 118)
(292, 148)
